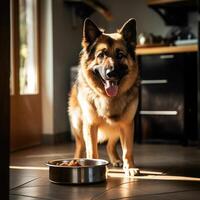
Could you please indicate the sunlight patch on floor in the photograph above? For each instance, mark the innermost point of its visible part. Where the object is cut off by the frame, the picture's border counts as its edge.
(29, 167)
(50, 155)
(150, 175)
(119, 173)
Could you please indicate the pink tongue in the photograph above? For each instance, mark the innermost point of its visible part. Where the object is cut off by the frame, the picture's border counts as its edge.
(111, 88)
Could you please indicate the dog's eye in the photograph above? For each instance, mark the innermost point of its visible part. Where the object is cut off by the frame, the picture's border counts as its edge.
(120, 55)
(101, 55)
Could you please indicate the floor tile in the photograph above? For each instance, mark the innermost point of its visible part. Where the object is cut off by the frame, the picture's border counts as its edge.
(114, 188)
(185, 195)
(146, 188)
(20, 180)
(176, 162)
(20, 197)
(42, 188)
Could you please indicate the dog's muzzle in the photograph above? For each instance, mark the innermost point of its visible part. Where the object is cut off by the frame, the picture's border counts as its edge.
(111, 78)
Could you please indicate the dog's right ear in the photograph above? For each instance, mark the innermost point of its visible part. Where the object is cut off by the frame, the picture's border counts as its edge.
(90, 33)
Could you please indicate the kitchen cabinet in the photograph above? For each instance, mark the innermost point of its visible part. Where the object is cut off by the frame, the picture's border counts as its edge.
(173, 12)
(168, 98)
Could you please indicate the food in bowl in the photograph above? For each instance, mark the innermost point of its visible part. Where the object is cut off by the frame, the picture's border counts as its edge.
(69, 163)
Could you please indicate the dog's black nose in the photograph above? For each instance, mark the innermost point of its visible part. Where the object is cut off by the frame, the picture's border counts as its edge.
(116, 72)
(111, 72)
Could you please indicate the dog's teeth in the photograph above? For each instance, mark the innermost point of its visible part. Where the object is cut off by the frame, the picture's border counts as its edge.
(113, 83)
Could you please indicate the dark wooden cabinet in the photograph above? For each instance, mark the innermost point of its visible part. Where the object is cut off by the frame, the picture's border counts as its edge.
(168, 97)
(173, 12)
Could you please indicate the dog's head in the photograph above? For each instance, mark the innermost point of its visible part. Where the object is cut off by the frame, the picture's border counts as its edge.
(108, 60)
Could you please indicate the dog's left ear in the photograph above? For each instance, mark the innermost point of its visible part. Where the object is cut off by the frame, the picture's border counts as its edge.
(128, 31)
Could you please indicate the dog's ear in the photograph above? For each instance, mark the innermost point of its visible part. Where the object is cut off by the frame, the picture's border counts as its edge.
(128, 31)
(90, 33)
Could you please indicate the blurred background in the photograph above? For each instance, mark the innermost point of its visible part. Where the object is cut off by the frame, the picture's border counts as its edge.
(45, 44)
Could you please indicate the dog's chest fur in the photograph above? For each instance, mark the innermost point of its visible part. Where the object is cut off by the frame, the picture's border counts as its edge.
(105, 107)
(110, 108)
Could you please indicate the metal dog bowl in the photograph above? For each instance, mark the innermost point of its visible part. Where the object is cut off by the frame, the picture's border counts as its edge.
(89, 171)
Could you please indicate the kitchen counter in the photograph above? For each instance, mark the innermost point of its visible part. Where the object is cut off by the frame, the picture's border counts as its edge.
(166, 49)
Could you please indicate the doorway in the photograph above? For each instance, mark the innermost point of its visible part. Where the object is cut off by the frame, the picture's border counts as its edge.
(25, 91)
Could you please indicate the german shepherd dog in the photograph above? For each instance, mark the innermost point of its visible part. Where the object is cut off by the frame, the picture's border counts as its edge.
(104, 98)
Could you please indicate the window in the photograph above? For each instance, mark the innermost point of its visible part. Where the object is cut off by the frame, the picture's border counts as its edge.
(28, 61)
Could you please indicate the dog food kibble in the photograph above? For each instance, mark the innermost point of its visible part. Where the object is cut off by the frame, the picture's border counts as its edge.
(71, 163)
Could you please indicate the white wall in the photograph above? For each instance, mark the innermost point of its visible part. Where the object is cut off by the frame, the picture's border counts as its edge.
(66, 50)
(193, 22)
(147, 19)
(60, 46)
(47, 84)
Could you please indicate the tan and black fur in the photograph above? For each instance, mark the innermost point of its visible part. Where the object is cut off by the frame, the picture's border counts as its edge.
(104, 99)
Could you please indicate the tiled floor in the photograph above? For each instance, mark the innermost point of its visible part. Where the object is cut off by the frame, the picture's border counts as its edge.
(169, 172)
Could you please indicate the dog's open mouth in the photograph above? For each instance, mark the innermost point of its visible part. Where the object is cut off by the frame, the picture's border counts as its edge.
(110, 79)
(111, 87)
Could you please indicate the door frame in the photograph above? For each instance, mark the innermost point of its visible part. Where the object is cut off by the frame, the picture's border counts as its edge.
(20, 104)
(4, 97)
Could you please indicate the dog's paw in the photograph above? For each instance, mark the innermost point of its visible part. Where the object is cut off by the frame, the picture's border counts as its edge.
(132, 172)
(117, 163)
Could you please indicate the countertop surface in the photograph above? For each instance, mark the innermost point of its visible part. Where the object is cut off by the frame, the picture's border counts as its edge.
(166, 49)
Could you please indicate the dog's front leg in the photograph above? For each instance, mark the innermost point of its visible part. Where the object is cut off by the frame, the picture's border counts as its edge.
(90, 137)
(126, 138)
